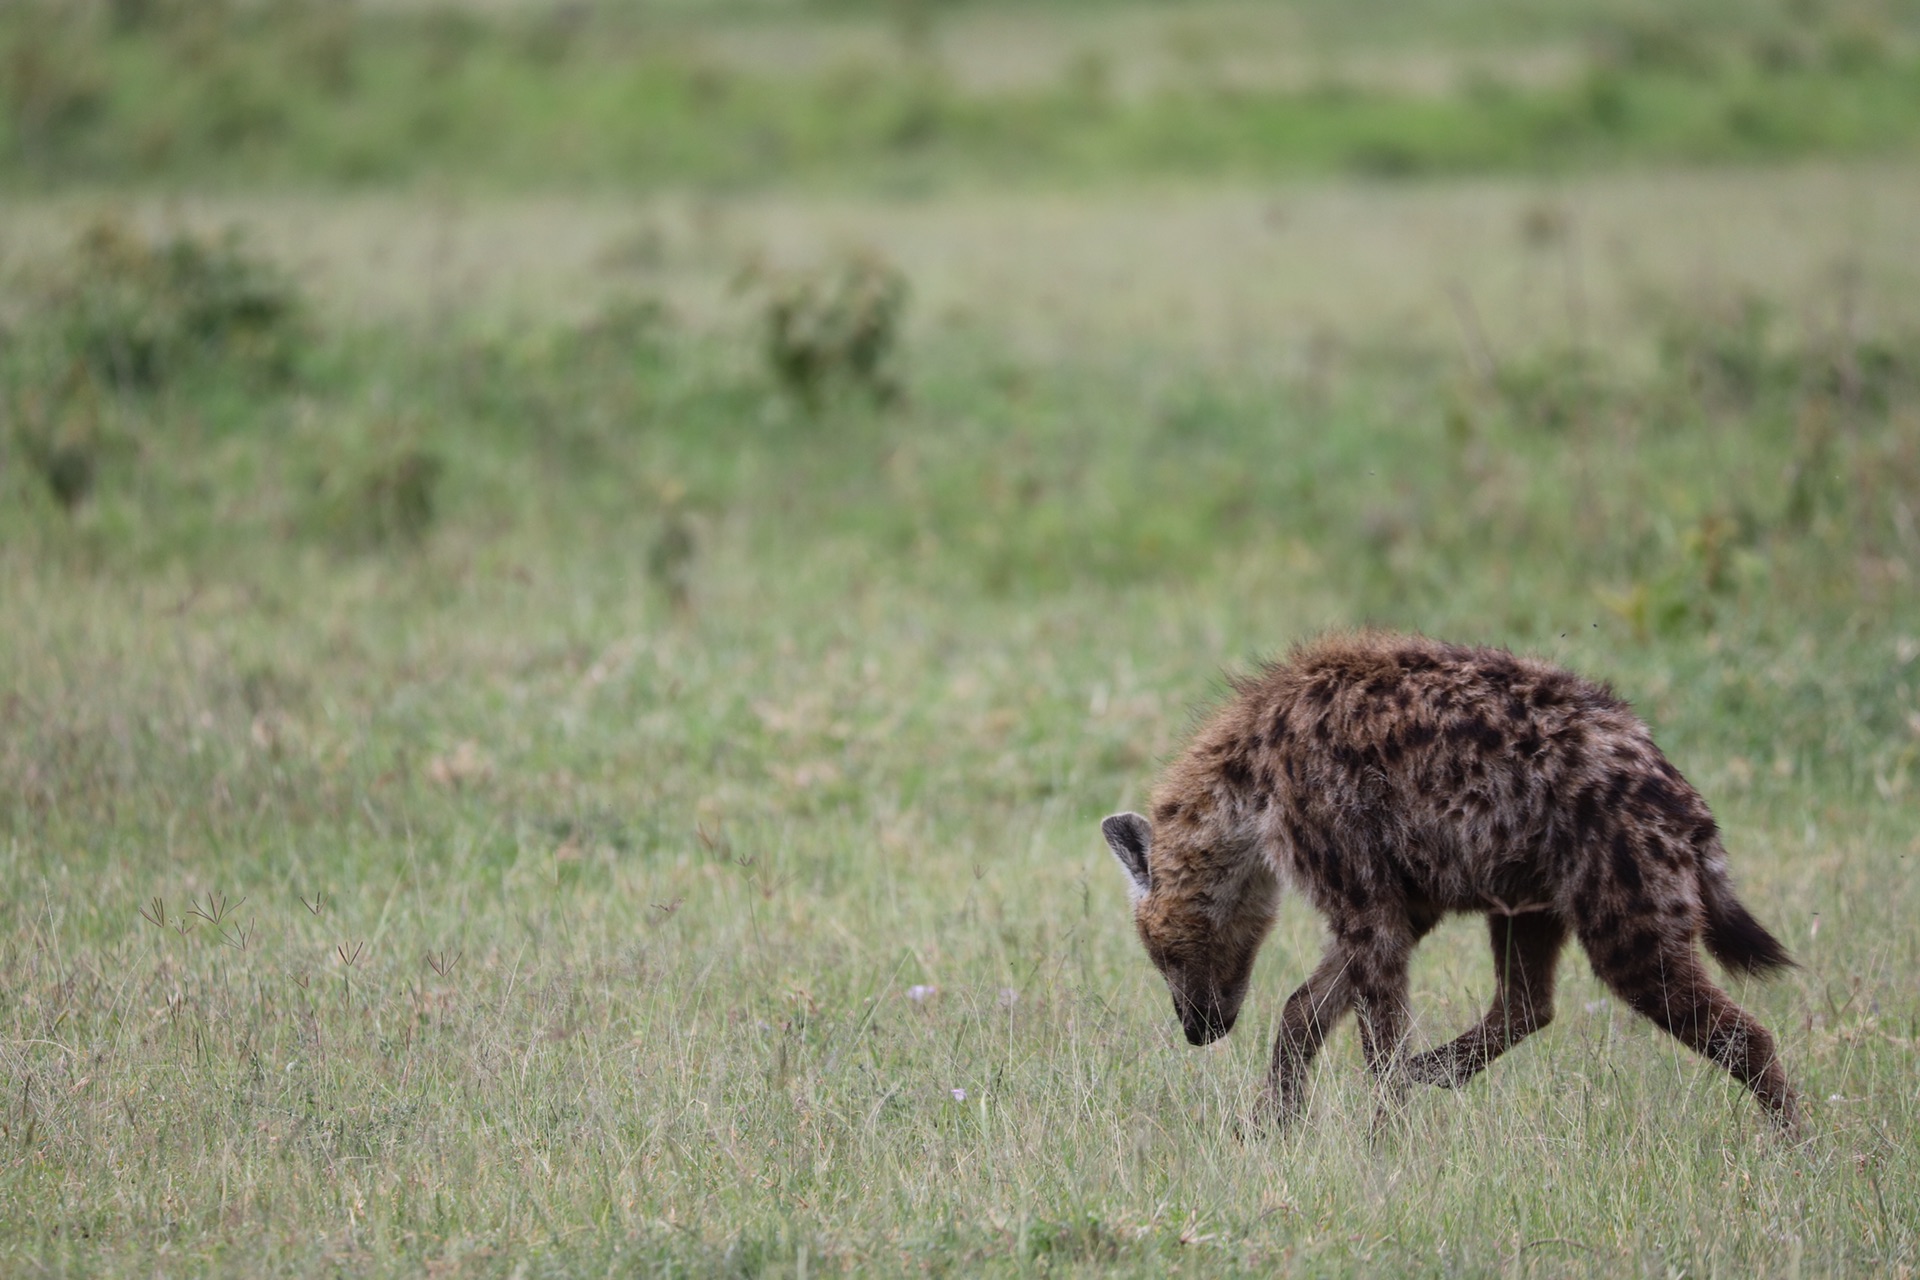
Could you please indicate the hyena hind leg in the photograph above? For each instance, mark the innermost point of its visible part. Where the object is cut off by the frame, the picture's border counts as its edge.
(1526, 950)
(1675, 993)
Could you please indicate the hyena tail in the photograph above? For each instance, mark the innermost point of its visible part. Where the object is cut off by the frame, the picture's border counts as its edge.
(1735, 938)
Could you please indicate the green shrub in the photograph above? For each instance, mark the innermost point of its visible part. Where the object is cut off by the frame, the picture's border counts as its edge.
(837, 326)
(68, 470)
(136, 312)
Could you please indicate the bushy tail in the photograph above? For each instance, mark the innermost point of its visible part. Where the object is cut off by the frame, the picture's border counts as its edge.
(1735, 938)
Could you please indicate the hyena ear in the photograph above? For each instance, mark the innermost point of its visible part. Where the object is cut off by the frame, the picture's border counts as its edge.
(1130, 836)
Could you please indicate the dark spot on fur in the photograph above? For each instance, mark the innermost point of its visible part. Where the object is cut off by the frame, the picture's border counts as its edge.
(1626, 868)
(1383, 686)
(1658, 797)
(1417, 736)
(1479, 733)
(1235, 772)
(1591, 885)
(1277, 731)
(1357, 894)
(1631, 955)
(1330, 871)
(1706, 832)
(1167, 811)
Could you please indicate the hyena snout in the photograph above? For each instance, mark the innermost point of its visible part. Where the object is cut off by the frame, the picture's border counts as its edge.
(1207, 1010)
(1204, 1023)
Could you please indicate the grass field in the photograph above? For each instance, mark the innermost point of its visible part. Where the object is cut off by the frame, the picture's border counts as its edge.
(514, 762)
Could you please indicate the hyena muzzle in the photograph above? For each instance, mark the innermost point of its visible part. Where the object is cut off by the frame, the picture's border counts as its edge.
(1393, 780)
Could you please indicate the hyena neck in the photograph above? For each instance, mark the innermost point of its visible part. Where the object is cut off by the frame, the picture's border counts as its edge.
(1225, 869)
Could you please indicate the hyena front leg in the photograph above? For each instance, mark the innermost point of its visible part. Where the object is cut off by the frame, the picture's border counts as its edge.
(1379, 980)
(1526, 948)
(1312, 1011)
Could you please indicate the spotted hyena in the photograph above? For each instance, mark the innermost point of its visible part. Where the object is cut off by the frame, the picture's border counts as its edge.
(1393, 779)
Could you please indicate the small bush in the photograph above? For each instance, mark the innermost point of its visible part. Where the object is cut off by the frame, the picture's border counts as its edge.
(837, 326)
(135, 312)
(68, 470)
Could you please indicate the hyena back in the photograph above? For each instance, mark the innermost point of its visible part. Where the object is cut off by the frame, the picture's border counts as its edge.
(1395, 779)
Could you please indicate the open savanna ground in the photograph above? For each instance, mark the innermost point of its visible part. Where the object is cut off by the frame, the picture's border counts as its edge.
(553, 717)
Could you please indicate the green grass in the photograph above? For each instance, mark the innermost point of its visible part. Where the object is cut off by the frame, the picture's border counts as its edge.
(535, 789)
(324, 95)
(563, 925)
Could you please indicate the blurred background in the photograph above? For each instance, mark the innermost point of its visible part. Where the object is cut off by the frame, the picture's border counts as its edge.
(698, 507)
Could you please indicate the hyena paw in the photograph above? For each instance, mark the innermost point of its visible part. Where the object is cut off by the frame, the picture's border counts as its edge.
(1434, 1067)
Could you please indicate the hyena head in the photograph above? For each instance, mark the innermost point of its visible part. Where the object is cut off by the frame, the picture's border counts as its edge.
(1202, 917)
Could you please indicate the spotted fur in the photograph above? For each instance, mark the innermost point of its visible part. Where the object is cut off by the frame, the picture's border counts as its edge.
(1393, 780)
